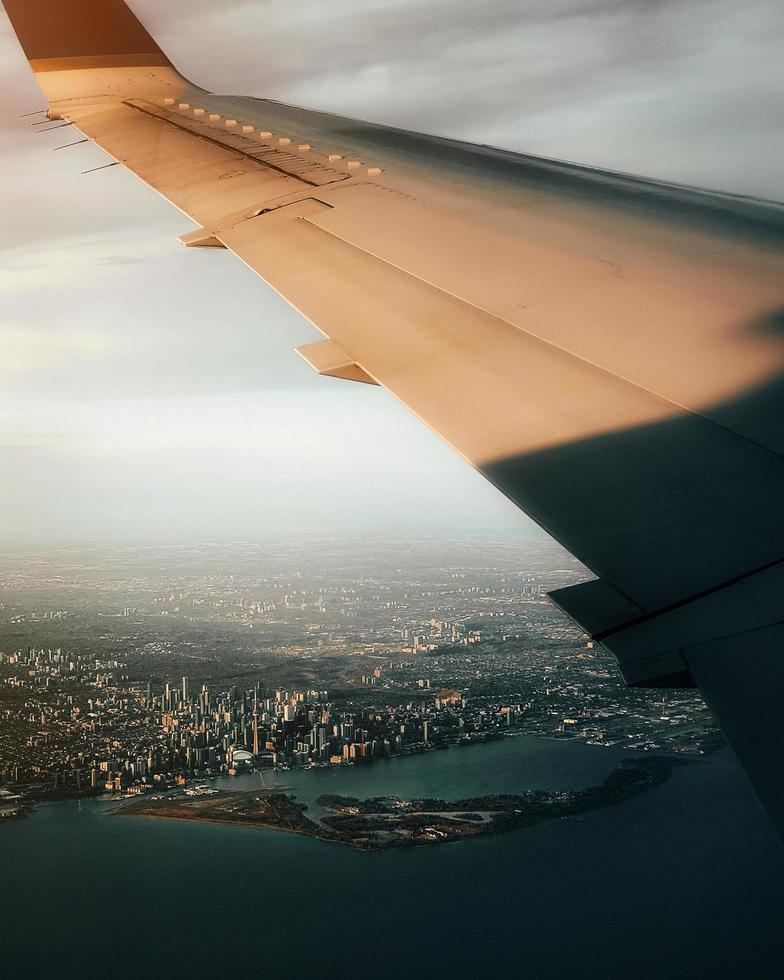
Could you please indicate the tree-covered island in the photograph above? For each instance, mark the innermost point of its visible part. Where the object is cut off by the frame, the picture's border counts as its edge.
(384, 822)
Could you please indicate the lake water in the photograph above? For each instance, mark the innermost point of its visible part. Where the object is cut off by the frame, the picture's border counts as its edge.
(684, 881)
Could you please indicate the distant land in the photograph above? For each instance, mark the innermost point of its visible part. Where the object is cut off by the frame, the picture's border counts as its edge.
(385, 822)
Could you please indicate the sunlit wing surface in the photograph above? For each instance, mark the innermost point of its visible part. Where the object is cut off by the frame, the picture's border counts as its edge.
(607, 350)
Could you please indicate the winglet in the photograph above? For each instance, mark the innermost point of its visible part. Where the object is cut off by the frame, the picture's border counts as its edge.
(62, 35)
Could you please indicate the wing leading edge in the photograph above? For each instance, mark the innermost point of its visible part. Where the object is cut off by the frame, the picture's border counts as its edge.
(607, 350)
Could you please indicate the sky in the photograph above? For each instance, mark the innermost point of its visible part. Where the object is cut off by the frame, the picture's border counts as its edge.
(151, 393)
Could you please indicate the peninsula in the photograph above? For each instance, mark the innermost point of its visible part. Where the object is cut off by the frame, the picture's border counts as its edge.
(384, 822)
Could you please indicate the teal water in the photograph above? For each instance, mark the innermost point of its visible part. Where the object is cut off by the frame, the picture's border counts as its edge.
(681, 882)
(509, 766)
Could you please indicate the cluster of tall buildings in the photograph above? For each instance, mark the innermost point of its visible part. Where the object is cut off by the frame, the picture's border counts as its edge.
(295, 728)
(126, 737)
(437, 633)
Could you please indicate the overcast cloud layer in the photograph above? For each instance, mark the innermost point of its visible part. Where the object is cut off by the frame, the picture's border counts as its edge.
(165, 400)
(686, 90)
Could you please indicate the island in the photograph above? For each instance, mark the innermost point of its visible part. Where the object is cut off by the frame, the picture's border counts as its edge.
(385, 822)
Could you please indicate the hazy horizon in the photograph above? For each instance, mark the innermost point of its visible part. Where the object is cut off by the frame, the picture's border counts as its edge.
(527, 535)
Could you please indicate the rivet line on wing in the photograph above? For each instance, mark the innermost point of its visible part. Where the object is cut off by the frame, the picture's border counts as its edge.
(267, 135)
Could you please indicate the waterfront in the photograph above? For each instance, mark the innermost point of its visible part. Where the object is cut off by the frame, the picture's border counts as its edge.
(681, 882)
(127, 670)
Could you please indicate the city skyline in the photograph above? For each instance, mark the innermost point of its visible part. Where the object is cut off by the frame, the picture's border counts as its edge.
(131, 670)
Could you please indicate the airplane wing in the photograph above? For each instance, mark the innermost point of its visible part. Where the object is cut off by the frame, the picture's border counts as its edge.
(607, 350)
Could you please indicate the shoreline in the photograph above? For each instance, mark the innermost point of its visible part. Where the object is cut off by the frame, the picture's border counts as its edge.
(255, 825)
(327, 840)
(384, 823)
(31, 804)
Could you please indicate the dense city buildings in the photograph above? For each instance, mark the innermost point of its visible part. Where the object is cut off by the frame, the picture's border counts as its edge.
(127, 671)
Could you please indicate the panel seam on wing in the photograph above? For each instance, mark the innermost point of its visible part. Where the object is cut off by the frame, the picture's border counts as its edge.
(548, 343)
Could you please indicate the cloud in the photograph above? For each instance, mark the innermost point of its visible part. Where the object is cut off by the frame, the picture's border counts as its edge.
(24, 350)
(681, 91)
(246, 466)
(125, 314)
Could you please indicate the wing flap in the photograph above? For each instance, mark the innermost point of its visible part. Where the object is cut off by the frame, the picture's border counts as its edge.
(649, 646)
(596, 606)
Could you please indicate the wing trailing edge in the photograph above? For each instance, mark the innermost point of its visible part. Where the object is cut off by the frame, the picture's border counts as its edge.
(649, 646)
